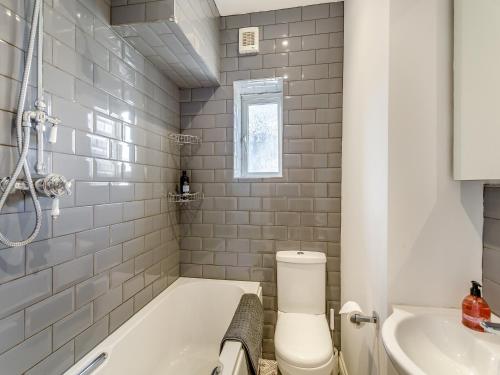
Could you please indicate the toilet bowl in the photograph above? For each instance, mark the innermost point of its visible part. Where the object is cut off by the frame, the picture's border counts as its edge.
(303, 345)
(302, 341)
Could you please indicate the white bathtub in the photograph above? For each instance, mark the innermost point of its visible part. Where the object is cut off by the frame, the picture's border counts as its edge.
(178, 333)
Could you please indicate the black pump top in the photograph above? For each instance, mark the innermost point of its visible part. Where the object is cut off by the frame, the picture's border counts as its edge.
(184, 173)
(475, 291)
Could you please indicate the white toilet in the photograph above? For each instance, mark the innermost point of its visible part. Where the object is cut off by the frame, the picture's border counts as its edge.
(302, 340)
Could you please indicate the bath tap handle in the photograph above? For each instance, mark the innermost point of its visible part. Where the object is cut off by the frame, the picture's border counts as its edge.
(99, 360)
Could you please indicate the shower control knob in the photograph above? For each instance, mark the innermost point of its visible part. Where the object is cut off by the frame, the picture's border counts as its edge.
(53, 134)
(55, 208)
(53, 186)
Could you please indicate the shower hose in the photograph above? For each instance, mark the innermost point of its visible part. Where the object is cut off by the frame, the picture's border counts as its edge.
(23, 128)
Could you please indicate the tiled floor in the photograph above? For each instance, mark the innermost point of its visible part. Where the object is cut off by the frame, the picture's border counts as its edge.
(268, 367)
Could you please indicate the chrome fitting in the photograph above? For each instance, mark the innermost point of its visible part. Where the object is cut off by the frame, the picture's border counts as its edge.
(53, 186)
(490, 327)
(359, 318)
(20, 185)
(3, 183)
(40, 105)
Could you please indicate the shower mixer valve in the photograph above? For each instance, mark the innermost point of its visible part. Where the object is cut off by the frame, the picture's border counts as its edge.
(53, 186)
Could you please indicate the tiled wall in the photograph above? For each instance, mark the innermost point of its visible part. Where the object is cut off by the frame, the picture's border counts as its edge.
(491, 250)
(114, 246)
(186, 49)
(235, 233)
(133, 11)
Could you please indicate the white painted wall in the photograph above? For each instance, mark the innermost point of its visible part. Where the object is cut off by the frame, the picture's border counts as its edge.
(229, 7)
(435, 223)
(477, 78)
(365, 177)
(416, 238)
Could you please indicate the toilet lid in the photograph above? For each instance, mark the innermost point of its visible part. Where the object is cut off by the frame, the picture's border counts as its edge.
(303, 340)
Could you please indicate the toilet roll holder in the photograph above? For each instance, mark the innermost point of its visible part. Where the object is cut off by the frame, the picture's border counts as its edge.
(355, 314)
(360, 318)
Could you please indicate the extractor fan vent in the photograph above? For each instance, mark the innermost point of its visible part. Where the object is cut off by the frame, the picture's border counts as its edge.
(249, 41)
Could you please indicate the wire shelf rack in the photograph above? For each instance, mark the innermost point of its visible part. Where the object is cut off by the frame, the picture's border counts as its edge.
(185, 198)
(184, 139)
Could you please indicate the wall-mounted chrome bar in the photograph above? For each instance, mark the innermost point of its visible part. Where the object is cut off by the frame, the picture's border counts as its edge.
(359, 318)
(99, 360)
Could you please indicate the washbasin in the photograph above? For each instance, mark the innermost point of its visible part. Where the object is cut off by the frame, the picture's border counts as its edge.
(433, 341)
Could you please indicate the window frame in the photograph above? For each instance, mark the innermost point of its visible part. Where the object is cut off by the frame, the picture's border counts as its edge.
(251, 92)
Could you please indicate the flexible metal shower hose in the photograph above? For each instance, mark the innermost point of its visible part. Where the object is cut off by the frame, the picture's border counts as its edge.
(23, 130)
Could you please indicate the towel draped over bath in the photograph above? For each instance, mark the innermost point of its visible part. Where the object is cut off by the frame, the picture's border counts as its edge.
(247, 328)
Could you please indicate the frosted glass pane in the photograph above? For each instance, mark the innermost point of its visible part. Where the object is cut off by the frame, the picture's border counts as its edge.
(263, 138)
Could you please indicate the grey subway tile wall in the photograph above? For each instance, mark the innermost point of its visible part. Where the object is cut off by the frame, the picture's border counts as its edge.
(236, 231)
(180, 37)
(491, 247)
(115, 245)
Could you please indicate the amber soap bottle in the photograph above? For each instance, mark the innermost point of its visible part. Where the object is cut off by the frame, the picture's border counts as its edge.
(475, 309)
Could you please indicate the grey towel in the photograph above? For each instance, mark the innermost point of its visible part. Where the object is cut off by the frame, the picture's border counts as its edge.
(247, 327)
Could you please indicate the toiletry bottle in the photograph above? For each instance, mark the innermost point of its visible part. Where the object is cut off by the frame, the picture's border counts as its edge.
(475, 309)
(184, 183)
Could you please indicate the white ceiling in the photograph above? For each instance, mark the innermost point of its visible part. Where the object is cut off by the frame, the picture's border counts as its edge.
(228, 7)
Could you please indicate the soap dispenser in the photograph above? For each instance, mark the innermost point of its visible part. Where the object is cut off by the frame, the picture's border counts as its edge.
(475, 309)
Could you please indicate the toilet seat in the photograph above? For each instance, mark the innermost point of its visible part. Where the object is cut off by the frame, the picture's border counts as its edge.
(286, 369)
(303, 341)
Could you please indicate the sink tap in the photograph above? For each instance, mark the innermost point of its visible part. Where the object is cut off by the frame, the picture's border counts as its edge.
(490, 327)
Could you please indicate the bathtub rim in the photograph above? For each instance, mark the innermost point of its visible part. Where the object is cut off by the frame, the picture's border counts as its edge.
(228, 356)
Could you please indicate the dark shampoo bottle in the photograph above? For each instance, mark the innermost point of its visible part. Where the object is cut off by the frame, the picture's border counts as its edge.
(184, 183)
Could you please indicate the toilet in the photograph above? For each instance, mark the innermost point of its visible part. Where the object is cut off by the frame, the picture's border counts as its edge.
(302, 341)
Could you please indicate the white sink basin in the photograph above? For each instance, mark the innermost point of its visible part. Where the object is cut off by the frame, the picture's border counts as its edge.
(433, 341)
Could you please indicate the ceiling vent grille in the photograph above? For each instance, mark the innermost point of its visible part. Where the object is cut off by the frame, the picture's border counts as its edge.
(249, 41)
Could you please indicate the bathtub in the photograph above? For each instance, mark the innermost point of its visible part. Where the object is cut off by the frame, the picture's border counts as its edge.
(178, 333)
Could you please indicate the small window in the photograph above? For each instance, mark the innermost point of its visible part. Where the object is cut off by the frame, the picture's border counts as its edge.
(258, 128)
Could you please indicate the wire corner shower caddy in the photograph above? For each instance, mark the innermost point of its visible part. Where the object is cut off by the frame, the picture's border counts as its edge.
(184, 139)
(185, 198)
